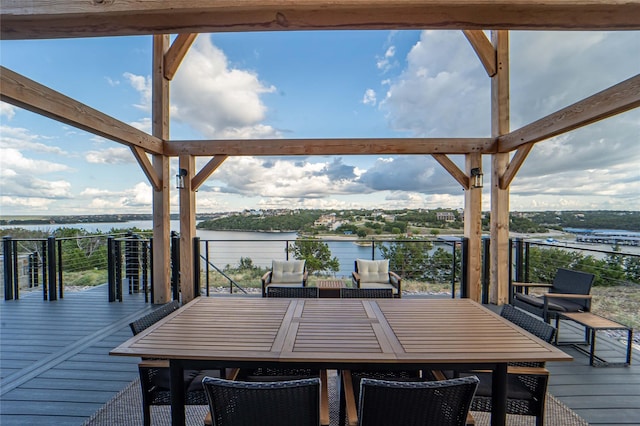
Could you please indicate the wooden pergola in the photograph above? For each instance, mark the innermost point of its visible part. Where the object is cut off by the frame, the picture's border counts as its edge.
(45, 19)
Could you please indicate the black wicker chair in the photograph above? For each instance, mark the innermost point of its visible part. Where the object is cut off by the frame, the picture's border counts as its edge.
(442, 403)
(569, 292)
(352, 380)
(287, 403)
(527, 382)
(293, 292)
(154, 374)
(366, 293)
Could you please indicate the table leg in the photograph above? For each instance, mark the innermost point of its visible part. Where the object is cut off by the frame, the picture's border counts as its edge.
(499, 395)
(177, 393)
(592, 352)
(629, 347)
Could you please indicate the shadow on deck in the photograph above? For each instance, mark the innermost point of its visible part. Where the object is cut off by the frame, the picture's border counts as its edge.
(55, 367)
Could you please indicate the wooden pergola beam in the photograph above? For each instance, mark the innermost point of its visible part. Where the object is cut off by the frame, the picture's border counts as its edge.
(280, 147)
(453, 170)
(614, 100)
(41, 19)
(176, 54)
(147, 167)
(484, 49)
(206, 171)
(25, 93)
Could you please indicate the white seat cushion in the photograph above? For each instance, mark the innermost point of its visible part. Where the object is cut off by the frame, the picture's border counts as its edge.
(287, 271)
(373, 271)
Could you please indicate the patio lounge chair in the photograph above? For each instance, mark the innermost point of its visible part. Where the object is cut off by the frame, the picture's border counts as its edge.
(568, 293)
(442, 403)
(154, 374)
(376, 274)
(285, 273)
(288, 403)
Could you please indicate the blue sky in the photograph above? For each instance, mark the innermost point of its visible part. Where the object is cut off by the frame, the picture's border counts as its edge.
(320, 85)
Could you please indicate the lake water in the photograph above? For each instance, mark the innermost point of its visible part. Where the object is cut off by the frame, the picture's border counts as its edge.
(227, 247)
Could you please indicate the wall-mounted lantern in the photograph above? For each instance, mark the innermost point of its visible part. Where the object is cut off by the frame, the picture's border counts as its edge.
(476, 177)
(180, 178)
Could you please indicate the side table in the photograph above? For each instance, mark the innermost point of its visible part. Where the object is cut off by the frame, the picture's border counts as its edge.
(330, 288)
(592, 324)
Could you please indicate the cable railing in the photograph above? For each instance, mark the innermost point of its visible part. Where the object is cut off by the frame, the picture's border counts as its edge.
(426, 265)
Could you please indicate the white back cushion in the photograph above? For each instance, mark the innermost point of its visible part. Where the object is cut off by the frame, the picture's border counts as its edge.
(373, 271)
(287, 271)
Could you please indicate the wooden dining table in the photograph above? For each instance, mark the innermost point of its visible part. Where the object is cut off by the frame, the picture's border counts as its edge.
(338, 334)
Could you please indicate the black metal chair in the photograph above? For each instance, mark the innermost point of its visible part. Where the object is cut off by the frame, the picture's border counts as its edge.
(287, 403)
(526, 382)
(442, 403)
(293, 292)
(569, 292)
(154, 374)
(366, 293)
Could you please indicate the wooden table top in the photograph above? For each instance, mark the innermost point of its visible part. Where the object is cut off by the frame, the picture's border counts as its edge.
(338, 330)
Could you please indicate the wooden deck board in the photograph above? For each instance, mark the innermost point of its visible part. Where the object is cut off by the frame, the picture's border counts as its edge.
(71, 375)
(54, 361)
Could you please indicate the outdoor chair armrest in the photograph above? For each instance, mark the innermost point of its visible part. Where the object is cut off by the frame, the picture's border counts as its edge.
(356, 278)
(305, 276)
(396, 281)
(324, 398)
(521, 284)
(266, 278)
(568, 296)
(528, 371)
(351, 408)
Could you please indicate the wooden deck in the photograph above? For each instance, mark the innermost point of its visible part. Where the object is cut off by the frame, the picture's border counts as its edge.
(55, 367)
(54, 362)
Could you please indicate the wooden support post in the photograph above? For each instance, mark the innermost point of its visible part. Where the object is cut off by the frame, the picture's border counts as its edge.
(187, 228)
(499, 284)
(473, 229)
(161, 205)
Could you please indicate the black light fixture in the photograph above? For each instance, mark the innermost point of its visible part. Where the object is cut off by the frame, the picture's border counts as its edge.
(476, 177)
(180, 178)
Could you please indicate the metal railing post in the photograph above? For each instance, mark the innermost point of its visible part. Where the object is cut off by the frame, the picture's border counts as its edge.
(51, 254)
(486, 272)
(111, 268)
(118, 269)
(175, 265)
(511, 270)
(152, 292)
(8, 268)
(206, 266)
(60, 282)
(45, 270)
(196, 267)
(464, 268)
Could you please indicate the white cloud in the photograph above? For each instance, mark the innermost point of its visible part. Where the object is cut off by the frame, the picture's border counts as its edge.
(118, 155)
(144, 87)
(12, 159)
(216, 99)
(443, 90)
(369, 97)
(7, 110)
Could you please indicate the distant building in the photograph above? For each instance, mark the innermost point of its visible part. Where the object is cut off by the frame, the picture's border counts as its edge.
(445, 216)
